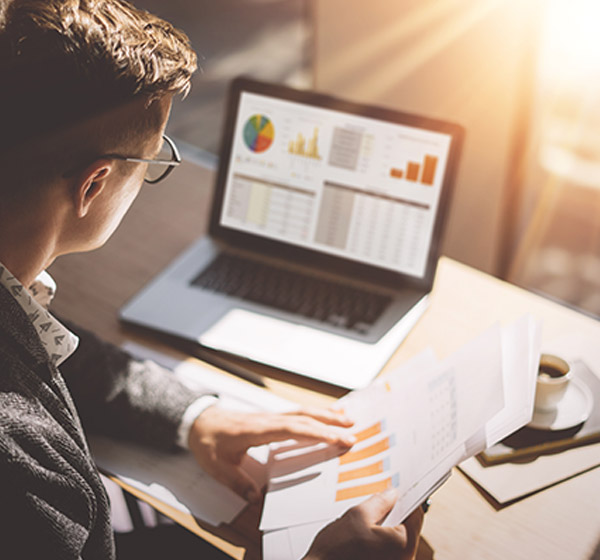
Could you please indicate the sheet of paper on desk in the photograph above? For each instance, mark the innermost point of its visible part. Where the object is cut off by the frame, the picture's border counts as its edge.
(290, 544)
(509, 481)
(176, 479)
(429, 415)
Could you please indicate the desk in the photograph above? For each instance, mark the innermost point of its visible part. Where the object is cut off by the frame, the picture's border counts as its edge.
(561, 522)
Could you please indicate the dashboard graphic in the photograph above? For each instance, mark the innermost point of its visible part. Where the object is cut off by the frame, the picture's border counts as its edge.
(259, 133)
(342, 184)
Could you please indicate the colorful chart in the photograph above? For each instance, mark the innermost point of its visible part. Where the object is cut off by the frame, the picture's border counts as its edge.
(259, 133)
(299, 147)
(413, 171)
(367, 465)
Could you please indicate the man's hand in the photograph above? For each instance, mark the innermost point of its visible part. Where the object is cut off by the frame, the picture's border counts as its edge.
(219, 439)
(357, 535)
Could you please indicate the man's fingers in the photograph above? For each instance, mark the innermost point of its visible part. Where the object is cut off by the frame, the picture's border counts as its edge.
(406, 534)
(238, 480)
(377, 507)
(413, 524)
(325, 415)
(299, 427)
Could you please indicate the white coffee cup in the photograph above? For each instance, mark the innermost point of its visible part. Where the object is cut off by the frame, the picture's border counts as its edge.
(554, 376)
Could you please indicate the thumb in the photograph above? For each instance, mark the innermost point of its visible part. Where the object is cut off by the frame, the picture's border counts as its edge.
(414, 524)
(378, 506)
(239, 481)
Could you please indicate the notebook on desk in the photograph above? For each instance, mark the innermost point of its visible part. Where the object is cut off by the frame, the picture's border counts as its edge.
(324, 235)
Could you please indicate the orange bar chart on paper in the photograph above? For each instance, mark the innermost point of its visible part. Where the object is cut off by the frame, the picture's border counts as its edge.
(366, 452)
(371, 431)
(362, 472)
(366, 489)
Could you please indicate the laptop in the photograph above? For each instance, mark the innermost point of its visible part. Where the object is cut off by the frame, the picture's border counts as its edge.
(324, 235)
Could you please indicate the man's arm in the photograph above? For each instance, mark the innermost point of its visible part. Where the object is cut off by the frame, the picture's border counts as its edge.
(121, 397)
(118, 396)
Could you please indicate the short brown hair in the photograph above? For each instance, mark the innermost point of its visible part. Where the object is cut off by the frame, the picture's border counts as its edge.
(62, 61)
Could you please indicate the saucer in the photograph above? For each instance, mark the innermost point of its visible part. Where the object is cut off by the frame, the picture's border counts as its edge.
(573, 409)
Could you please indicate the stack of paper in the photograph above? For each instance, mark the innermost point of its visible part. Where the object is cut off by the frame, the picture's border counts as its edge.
(411, 427)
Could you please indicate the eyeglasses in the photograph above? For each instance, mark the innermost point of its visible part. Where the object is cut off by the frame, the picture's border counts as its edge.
(158, 168)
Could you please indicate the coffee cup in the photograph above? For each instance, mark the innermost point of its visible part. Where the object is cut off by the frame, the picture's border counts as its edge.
(554, 375)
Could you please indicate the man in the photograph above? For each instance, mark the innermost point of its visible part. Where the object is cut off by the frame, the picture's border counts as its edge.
(86, 91)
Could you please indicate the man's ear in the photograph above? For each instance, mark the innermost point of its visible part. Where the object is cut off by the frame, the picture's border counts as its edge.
(90, 183)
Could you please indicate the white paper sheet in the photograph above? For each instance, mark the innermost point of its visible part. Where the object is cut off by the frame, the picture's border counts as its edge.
(292, 543)
(175, 478)
(414, 426)
(521, 343)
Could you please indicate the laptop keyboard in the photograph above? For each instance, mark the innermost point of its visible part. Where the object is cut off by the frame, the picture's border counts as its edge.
(336, 304)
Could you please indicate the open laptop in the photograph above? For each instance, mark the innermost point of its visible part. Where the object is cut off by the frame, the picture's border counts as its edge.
(324, 235)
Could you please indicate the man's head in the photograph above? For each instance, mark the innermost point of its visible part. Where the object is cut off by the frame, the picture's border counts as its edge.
(82, 79)
(65, 60)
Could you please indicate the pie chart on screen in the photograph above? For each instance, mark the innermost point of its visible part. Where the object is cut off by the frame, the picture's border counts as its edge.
(258, 133)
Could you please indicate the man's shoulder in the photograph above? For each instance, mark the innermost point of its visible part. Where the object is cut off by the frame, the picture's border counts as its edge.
(34, 441)
(23, 416)
(21, 412)
(17, 369)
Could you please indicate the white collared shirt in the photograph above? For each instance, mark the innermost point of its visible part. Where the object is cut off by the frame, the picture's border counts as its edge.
(60, 342)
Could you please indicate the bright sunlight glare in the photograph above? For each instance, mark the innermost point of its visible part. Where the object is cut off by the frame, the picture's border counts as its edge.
(571, 42)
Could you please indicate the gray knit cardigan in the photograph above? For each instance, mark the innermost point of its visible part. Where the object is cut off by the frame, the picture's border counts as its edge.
(52, 502)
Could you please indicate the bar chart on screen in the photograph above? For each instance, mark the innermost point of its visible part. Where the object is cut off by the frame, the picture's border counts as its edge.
(305, 147)
(417, 172)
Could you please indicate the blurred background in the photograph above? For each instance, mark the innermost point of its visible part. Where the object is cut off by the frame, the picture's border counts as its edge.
(522, 76)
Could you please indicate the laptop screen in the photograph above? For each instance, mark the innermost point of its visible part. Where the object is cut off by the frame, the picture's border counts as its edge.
(344, 184)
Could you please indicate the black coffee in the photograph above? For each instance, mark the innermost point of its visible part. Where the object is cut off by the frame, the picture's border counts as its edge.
(551, 371)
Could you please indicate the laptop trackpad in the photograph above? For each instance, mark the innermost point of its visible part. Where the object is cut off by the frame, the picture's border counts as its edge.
(282, 344)
(239, 327)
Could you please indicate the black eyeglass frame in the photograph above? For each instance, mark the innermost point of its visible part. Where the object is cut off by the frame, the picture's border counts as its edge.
(170, 163)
